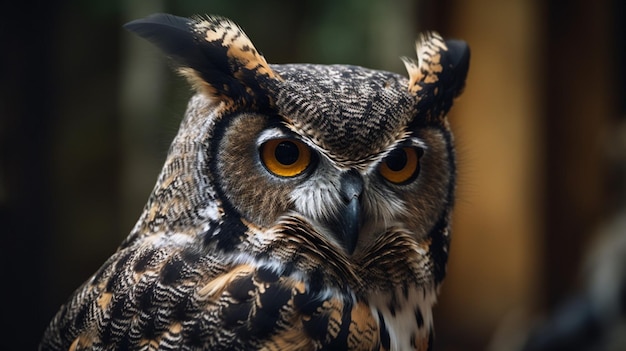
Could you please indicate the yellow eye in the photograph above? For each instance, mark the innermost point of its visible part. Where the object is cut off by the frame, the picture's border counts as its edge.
(401, 165)
(285, 157)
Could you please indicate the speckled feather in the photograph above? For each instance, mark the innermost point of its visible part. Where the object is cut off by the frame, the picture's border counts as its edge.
(214, 263)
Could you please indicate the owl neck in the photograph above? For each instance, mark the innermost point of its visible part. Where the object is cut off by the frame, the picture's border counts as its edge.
(184, 200)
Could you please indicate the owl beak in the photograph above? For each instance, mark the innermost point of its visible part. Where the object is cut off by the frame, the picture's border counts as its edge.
(350, 217)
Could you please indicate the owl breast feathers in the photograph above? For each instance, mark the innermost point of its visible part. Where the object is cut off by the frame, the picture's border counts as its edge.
(300, 207)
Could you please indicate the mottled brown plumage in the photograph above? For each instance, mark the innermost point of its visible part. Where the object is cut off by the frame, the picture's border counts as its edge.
(301, 207)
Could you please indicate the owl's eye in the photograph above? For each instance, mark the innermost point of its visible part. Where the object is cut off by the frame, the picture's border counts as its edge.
(401, 165)
(285, 157)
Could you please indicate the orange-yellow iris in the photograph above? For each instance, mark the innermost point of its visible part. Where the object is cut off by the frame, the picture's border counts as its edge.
(400, 166)
(285, 157)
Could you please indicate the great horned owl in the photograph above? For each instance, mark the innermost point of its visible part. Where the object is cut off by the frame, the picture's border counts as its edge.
(300, 207)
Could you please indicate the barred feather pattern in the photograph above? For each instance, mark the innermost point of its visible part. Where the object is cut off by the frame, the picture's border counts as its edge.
(163, 295)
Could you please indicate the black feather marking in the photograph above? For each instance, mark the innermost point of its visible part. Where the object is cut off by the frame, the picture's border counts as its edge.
(172, 34)
(341, 341)
(267, 275)
(385, 339)
(146, 299)
(80, 320)
(184, 308)
(455, 62)
(263, 323)
(149, 330)
(267, 315)
(275, 297)
(419, 318)
(235, 314)
(143, 261)
(190, 256)
(240, 289)
(317, 327)
(172, 272)
(439, 96)
(413, 340)
(226, 240)
(439, 249)
(440, 243)
(125, 342)
(392, 307)
(119, 308)
(431, 339)
(306, 302)
(195, 334)
(457, 58)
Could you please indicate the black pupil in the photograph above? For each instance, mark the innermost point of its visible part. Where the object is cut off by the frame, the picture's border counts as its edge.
(286, 153)
(396, 160)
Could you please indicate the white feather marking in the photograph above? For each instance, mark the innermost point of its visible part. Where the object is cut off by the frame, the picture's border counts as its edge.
(318, 198)
(417, 142)
(211, 212)
(403, 324)
(167, 240)
(268, 134)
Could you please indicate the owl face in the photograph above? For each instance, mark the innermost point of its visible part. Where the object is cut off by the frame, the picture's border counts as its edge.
(343, 150)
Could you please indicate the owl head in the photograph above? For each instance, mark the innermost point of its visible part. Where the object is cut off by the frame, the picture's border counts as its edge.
(355, 163)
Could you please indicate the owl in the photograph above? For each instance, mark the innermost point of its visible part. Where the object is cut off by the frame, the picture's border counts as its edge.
(300, 207)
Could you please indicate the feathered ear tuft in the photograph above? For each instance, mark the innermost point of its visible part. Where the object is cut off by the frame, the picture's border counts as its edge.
(214, 54)
(438, 75)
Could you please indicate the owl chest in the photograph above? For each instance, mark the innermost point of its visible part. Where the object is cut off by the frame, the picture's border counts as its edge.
(404, 318)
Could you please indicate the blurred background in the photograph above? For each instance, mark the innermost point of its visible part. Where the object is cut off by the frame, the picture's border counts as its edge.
(87, 112)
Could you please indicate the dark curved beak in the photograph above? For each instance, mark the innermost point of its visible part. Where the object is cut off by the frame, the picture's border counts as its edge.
(349, 221)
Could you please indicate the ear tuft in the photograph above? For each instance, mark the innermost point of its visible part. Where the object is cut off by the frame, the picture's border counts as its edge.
(214, 54)
(439, 74)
